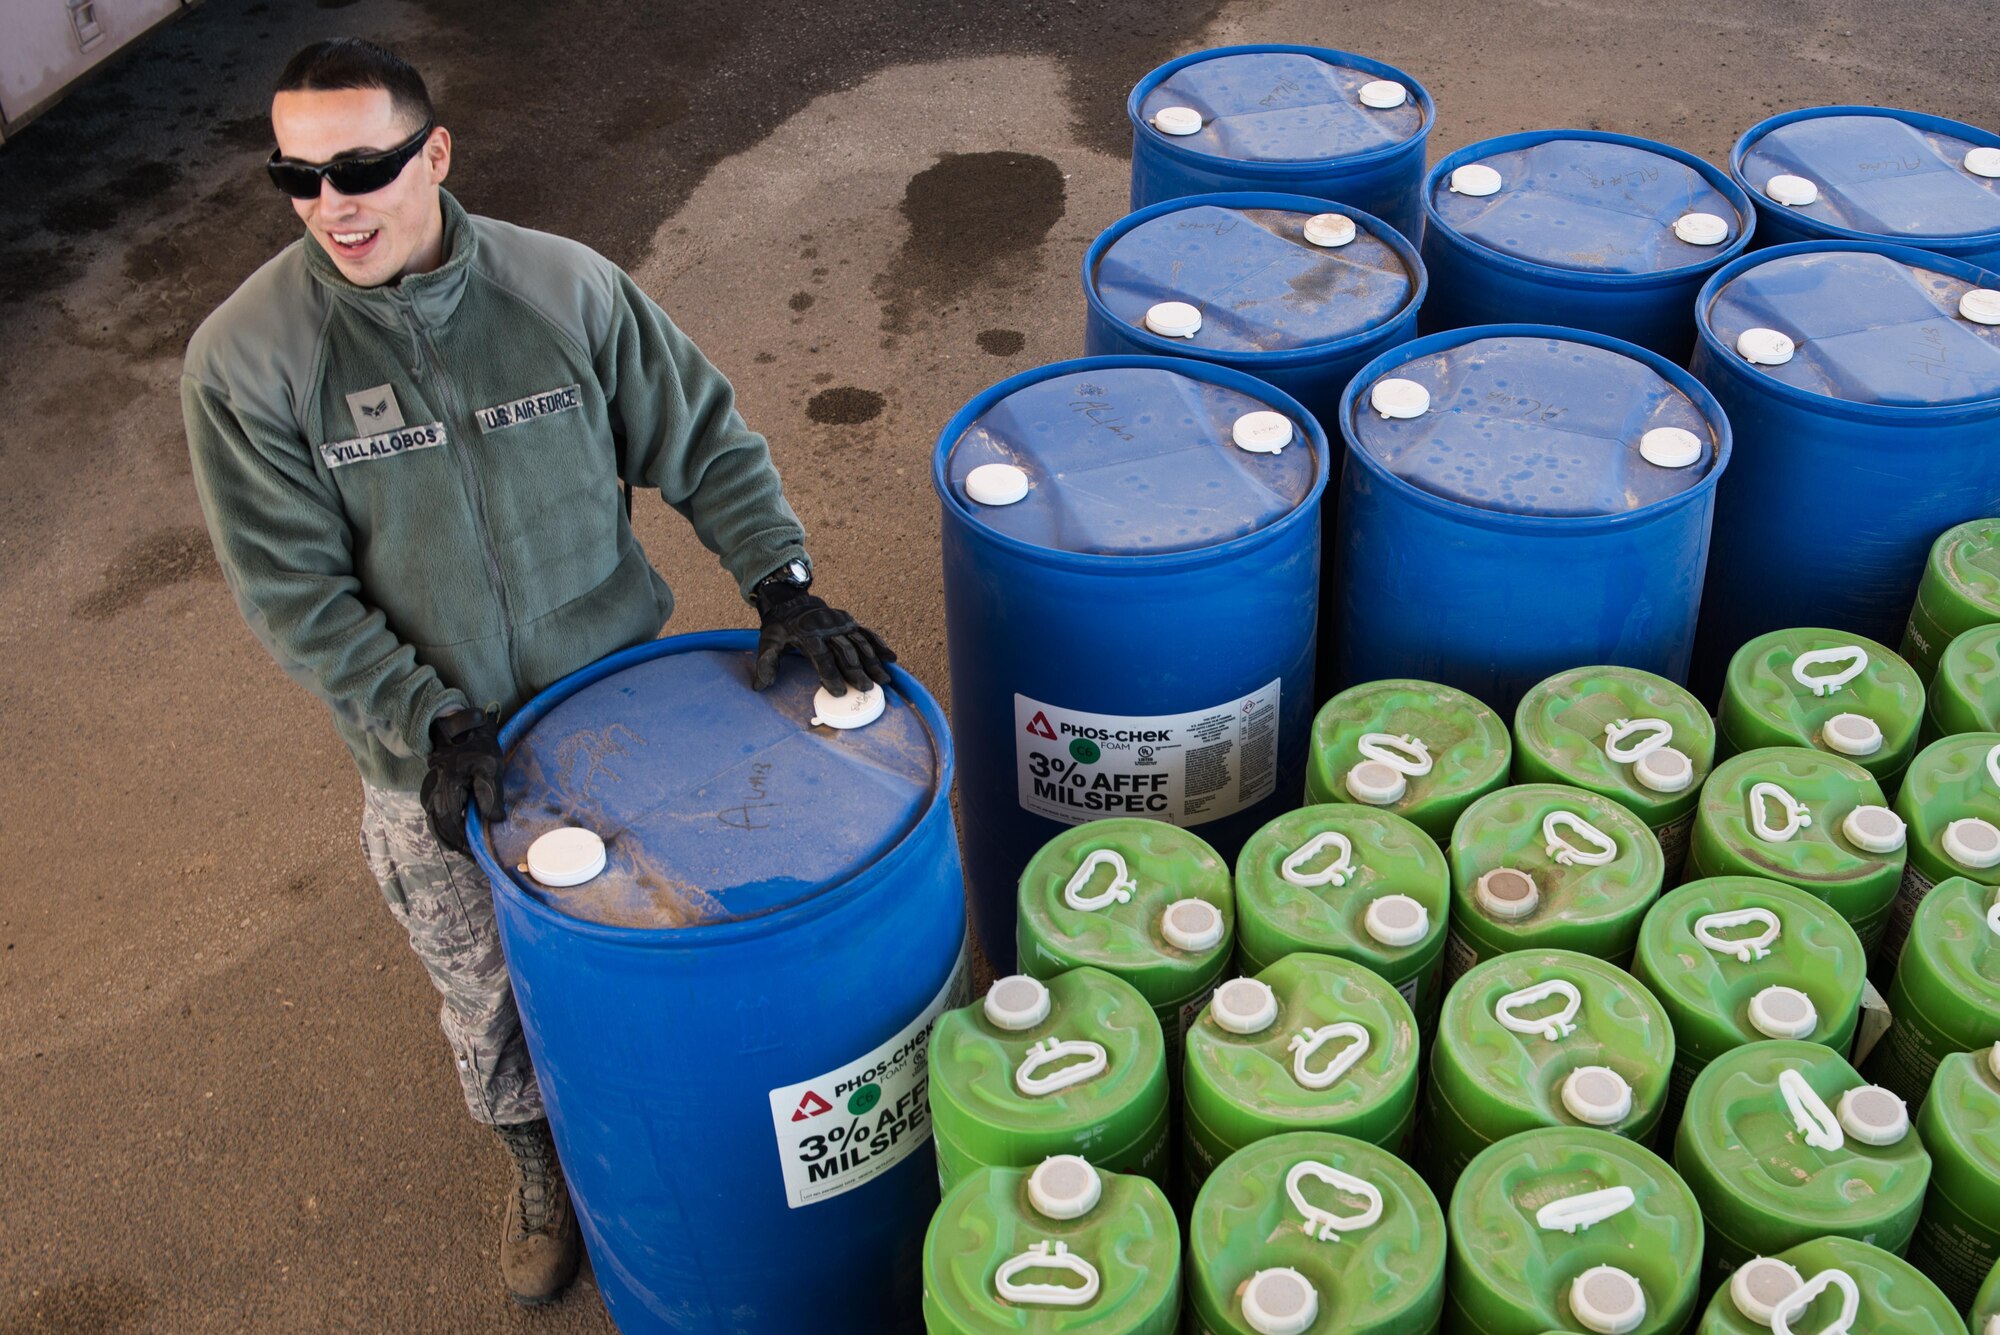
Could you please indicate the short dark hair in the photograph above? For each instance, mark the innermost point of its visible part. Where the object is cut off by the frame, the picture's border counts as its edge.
(355, 62)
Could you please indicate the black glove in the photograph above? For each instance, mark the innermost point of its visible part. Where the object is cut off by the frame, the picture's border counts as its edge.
(465, 759)
(842, 651)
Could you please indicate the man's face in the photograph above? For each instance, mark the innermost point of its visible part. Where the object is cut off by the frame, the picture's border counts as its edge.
(378, 237)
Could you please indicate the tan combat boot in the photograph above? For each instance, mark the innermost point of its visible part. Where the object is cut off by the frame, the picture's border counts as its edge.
(540, 1245)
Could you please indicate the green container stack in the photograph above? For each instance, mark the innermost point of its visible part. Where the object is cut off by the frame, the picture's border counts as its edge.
(1959, 590)
(1831, 1284)
(1964, 695)
(1950, 804)
(1415, 748)
(1957, 1242)
(1945, 996)
(1826, 689)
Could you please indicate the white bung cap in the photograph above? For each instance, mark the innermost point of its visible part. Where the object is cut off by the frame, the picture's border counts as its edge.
(1792, 191)
(1017, 1002)
(1874, 829)
(1701, 229)
(1760, 1284)
(1173, 319)
(1377, 784)
(1397, 920)
(996, 484)
(569, 855)
(1972, 842)
(855, 709)
(1981, 305)
(1852, 735)
(1192, 924)
(1064, 1186)
(1764, 347)
(1506, 893)
(1993, 1060)
(1670, 447)
(1280, 1302)
(1983, 162)
(1873, 1115)
(1394, 397)
(1177, 120)
(1783, 1012)
(1382, 94)
(1597, 1096)
(1475, 179)
(1244, 1006)
(1262, 432)
(1664, 769)
(1607, 1300)
(1330, 229)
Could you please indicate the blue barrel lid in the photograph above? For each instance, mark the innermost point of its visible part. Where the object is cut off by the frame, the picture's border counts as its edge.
(1865, 326)
(1588, 202)
(1265, 104)
(1878, 171)
(1121, 458)
(1260, 281)
(716, 803)
(1526, 420)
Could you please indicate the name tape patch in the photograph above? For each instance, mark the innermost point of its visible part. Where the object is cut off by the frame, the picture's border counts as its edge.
(340, 453)
(545, 404)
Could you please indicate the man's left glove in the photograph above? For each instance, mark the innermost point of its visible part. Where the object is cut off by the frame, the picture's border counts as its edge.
(465, 762)
(843, 652)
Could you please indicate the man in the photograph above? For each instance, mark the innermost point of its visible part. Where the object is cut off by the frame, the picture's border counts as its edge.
(409, 432)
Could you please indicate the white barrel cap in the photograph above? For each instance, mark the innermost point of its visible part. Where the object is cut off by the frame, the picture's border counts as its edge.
(1792, 191)
(1764, 347)
(1972, 842)
(566, 856)
(1382, 94)
(1701, 229)
(1992, 1325)
(1664, 770)
(1192, 924)
(1670, 447)
(1064, 1186)
(1177, 120)
(1262, 432)
(1873, 1115)
(1993, 1060)
(1607, 1300)
(1017, 1002)
(1783, 1012)
(1330, 229)
(1874, 829)
(1244, 1006)
(1852, 735)
(1397, 920)
(1280, 1302)
(1475, 179)
(1173, 319)
(1983, 162)
(1597, 1096)
(1760, 1284)
(1395, 397)
(856, 709)
(1981, 305)
(1377, 784)
(1507, 893)
(996, 484)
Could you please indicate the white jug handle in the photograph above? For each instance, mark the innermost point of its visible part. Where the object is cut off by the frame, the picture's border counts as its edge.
(1323, 1225)
(1551, 1027)
(1568, 854)
(1047, 1256)
(1796, 815)
(1744, 948)
(1119, 891)
(1308, 1041)
(1993, 766)
(1657, 732)
(1335, 872)
(1584, 1209)
(1827, 683)
(1055, 1049)
(1405, 754)
(1800, 1298)
(1810, 1114)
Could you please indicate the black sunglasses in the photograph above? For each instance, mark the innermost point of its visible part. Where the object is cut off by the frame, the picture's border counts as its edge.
(359, 174)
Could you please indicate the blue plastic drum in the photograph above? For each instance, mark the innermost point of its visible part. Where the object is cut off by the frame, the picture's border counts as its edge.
(1131, 572)
(1580, 228)
(1520, 499)
(1863, 383)
(1874, 174)
(729, 1017)
(1302, 120)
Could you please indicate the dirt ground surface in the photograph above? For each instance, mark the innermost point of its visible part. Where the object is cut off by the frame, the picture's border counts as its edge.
(224, 1101)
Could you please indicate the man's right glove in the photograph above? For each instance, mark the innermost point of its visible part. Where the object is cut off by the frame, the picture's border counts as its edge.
(465, 763)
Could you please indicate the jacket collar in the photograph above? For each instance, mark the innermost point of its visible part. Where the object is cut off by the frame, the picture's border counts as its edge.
(431, 297)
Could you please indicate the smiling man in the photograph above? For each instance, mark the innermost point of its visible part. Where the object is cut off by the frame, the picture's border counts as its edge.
(411, 433)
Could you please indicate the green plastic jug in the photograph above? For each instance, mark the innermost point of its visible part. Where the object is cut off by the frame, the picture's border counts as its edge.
(1624, 734)
(1350, 881)
(1950, 803)
(1542, 1038)
(1806, 818)
(1075, 1065)
(1964, 695)
(1312, 1043)
(1571, 1229)
(1060, 1247)
(1826, 689)
(1945, 996)
(1957, 1241)
(1544, 866)
(1960, 589)
(1311, 1232)
(1141, 899)
(1984, 1318)
(1416, 748)
(1828, 1286)
(1739, 959)
(1782, 1141)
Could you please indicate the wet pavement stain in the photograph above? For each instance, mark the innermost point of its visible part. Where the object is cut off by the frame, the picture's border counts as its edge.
(802, 301)
(79, 1307)
(157, 561)
(845, 405)
(972, 218)
(1001, 342)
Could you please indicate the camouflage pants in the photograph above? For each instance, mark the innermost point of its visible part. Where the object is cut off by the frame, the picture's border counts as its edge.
(445, 903)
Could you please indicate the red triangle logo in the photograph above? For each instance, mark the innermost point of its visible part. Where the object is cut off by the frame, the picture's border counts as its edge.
(812, 1105)
(1039, 725)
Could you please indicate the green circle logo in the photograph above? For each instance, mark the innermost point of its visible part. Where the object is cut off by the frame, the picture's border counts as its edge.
(863, 1099)
(1085, 751)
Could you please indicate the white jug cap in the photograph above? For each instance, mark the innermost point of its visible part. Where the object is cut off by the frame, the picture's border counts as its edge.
(1017, 1002)
(1993, 1325)
(1670, 447)
(1874, 829)
(1993, 1060)
(1983, 162)
(1701, 229)
(1064, 1186)
(1852, 735)
(1396, 397)
(1981, 305)
(1764, 347)
(1280, 1302)
(1244, 1006)
(1972, 842)
(1607, 1300)
(1783, 1012)
(1475, 179)
(1760, 1284)
(566, 856)
(1377, 784)
(1177, 120)
(856, 709)
(1192, 924)
(1665, 769)
(1792, 191)
(996, 484)
(1383, 94)
(1330, 229)
(1262, 432)
(1173, 319)
(1873, 1115)
(1397, 920)
(1507, 893)
(1597, 1096)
